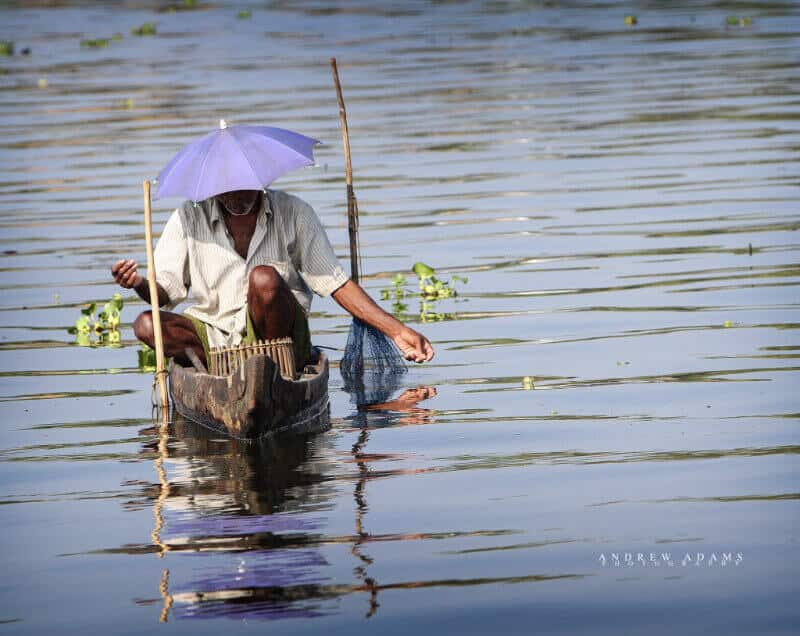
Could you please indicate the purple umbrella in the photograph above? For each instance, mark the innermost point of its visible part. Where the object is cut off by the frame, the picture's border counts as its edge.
(234, 158)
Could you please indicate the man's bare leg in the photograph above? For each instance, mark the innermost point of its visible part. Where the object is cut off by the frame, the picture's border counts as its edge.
(271, 304)
(178, 334)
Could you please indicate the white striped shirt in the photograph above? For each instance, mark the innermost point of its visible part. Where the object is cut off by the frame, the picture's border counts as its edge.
(196, 251)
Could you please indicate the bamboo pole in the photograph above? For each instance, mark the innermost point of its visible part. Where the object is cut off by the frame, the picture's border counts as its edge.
(151, 283)
(352, 204)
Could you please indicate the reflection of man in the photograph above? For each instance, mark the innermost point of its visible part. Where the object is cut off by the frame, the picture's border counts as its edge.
(251, 259)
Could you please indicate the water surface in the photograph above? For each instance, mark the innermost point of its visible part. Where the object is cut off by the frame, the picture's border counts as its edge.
(619, 375)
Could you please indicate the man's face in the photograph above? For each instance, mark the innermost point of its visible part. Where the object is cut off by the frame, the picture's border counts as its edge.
(238, 201)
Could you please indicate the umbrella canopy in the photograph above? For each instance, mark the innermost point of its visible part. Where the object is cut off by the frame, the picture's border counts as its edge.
(234, 158)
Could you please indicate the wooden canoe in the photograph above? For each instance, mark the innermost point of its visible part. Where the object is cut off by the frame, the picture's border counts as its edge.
(255, 400)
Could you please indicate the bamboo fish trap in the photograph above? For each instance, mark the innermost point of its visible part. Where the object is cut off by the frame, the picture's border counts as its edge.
(226, 360)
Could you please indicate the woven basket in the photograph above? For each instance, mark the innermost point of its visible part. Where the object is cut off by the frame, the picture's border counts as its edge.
(225, 360)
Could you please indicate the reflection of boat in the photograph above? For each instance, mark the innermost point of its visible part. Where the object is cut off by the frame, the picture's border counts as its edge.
(253, 516)
(255, 398)
(211, 474)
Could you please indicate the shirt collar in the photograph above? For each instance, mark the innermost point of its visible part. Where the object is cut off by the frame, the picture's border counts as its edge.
(217, 212)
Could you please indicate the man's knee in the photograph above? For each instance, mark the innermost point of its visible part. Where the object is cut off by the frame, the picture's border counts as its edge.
(265, 281)
(143, 326)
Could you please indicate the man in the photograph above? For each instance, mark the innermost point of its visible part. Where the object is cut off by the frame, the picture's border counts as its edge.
(251, 259)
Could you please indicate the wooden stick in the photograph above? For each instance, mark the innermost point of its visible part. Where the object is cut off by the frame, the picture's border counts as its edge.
(352, 204)
(151, 283)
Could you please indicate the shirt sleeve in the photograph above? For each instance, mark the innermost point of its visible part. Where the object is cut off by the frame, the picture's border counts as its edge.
(316, 262)
(171, 258)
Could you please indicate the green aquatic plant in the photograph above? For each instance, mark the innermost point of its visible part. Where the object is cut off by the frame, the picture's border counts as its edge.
(95, 328)
(428, 313)
(183, 5)
(147, 358)
(397, 290)
(431, 289)
(631, 20)
(735, 20)
(396, 293)
(148, 28)
(95, 43)
(244, 14)
(6, 48)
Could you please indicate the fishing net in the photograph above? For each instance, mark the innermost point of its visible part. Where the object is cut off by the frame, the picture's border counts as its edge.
(371, 366)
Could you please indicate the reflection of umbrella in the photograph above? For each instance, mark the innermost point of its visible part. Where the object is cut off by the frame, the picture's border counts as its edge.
(234, 158)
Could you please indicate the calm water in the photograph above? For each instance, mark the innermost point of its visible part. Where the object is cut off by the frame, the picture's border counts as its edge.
(619, 375)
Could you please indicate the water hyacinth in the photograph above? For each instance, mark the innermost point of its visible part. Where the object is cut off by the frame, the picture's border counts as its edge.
(431, 289)
(104, 325)
(735, 20)
(148, 28)
(95, 43)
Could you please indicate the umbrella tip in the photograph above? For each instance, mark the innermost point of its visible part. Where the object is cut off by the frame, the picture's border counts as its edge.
(223, 124)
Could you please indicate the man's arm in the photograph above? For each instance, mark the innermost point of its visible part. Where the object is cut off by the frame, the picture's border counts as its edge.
(171, 261)
(355, 300)
(126, 275)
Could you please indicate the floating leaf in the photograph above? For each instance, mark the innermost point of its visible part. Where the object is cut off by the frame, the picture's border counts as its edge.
(735, 20)
(148, 28)
(96, 43)
(83, 325)
(113, 338)
(83, 339)
(89, 309)
(631, 20)
(113, 319)
(423, 271)
(244, 14)
(6, 48)
(147, 358)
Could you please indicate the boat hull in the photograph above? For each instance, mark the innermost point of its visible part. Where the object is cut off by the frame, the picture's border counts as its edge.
(255, 400)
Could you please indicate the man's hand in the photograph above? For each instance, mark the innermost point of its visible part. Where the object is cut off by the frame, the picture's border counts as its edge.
(125, 274)
(413, 345)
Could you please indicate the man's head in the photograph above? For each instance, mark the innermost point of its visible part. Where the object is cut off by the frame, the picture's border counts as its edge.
(239, 202)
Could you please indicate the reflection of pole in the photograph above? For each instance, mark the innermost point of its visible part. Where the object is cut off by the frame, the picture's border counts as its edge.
(361, 536)
(163, 588)
(158, 505)
(163, 489)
